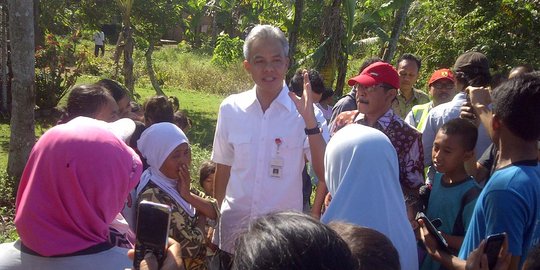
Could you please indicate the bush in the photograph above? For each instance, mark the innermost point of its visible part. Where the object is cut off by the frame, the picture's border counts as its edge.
(228, 51)
(57, 69)
(7, 208)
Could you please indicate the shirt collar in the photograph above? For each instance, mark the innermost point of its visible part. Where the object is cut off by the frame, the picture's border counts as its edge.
(283, 99)
(415, 95)
(384, 120)
(460, 96)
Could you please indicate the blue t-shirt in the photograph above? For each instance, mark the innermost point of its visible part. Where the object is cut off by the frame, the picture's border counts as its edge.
(510, 202)
(445, 202)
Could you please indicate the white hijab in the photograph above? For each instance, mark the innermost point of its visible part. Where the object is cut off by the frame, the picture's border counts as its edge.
(155, 144)
(362, 175)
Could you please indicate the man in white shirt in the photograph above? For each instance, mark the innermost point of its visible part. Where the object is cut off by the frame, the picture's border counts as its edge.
(99, 41)
(261, 140)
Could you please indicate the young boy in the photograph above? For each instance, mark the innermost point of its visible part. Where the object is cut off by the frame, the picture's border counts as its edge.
(206, 177)
(454, 192)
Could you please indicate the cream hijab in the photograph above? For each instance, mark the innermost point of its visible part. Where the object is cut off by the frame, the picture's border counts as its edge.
(155, 144)
(362, 176)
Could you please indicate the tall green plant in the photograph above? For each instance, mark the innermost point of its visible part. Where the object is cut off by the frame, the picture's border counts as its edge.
(228, 51)
(57, 69)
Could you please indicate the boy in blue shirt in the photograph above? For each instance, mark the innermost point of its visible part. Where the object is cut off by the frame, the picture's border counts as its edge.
(454, 192)
(510, 201)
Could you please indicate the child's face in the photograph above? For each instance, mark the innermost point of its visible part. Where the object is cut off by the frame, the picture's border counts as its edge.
(208, 185)
(448, 153)
(179, 156)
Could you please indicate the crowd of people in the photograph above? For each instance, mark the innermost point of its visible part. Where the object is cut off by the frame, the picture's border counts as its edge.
(465, 154)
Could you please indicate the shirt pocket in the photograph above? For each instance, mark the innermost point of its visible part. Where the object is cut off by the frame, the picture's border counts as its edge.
(242, 150)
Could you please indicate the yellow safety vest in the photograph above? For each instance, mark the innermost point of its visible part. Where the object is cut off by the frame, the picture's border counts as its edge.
(420, 113)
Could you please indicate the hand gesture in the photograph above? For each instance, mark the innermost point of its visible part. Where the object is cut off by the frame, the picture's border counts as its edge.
(477, 259)
(468, 112)
(173, 258)
(184, 181)
(304, 104)
(478, 96)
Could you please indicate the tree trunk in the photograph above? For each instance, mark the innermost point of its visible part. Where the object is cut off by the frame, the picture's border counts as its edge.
(22, 138)
(4, 69)
(342, 73)
(128, 59)
(150, 69)
(401, 16)
(214, 13)
(293, 34)
(39, 36)
(333, 29)
(118, 53)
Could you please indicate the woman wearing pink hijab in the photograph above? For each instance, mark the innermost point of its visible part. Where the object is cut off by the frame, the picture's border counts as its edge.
(75, 182)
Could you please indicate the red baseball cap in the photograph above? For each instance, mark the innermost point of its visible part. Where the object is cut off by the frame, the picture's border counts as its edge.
(441, 74)
(376, 73)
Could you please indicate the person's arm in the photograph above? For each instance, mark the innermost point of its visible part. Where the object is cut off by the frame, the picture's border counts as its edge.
(480, 98)
(428, 137)
(453, 241)
(320, 193)
(221, 179)
(317, 145)
(448, 260)
(184, 188)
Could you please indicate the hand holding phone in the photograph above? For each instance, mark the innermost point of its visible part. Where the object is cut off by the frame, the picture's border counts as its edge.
(492, 248)
(152, 231)
(433, 231)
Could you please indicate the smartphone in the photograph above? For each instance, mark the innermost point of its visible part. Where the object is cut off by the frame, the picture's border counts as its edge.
(152, 231)
(432, 230)
(493, 246)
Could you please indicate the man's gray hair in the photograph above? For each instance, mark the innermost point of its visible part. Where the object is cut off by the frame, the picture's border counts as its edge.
(262, 31)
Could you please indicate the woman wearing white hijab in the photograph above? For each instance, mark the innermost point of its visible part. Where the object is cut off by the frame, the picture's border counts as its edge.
(363, 178)
(167, 181)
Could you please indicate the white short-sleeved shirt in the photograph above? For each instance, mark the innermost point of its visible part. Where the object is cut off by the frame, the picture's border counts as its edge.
(245, 139)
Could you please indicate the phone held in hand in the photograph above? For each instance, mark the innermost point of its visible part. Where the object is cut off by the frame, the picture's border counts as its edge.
(433, 231)
(152, 230)
(493, 246)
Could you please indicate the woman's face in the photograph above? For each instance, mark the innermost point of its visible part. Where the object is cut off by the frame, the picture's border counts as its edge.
(179, 156)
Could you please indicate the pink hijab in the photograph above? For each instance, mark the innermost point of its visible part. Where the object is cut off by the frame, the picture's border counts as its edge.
(75, 182)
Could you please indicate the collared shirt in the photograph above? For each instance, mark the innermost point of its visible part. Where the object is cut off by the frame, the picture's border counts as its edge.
(402, 107)
(442, 114)
(250, 140)
(344, 104)
(406, 140)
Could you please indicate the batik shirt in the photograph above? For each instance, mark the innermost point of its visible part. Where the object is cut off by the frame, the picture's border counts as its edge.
(187, 230)
(406, 140)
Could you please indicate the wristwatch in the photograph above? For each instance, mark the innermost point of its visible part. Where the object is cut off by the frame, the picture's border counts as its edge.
(313, 131)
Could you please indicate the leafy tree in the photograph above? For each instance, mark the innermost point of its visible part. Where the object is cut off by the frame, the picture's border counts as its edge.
(153, 18)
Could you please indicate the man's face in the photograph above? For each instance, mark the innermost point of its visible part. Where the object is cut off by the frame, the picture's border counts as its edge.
(267, 64)
(373, 100)
(442, 91)
(408, 74)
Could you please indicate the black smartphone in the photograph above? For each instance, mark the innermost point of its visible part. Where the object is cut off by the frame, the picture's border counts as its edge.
(493, 246)
(432, 230)
(152, 231)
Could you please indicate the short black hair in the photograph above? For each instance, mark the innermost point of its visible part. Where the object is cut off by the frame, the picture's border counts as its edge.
(85, 100)
(368, 62)
(372, 249)
(411, 57)
(315, 79)
(117, 91)
(463, 128)
(516, 103)
(291, 240)
(207, 168)
(158, 109)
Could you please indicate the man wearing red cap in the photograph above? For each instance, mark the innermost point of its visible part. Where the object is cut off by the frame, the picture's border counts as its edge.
(376, 88)
(441, 88)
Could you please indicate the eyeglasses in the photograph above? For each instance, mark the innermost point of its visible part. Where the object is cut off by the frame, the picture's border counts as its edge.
(370, 89)
(443, 86)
